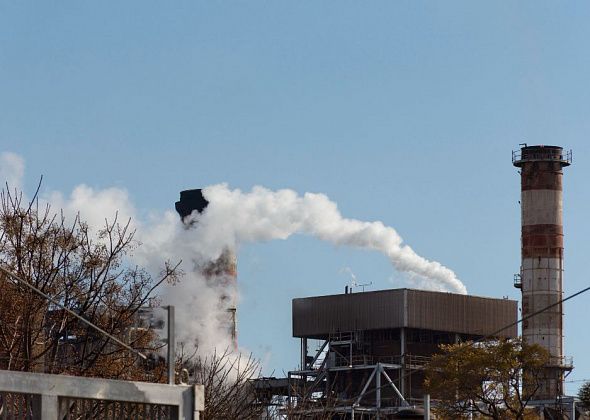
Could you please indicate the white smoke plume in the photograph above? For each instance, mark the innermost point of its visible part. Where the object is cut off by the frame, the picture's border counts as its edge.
(12, 170)
(232, 218)
(94, 207)
(200, 316)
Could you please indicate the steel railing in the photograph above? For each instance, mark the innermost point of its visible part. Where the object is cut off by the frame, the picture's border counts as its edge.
(38, 396)
(547, 155)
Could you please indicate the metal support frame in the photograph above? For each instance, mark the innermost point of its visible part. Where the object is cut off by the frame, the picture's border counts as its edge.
(318, 353)
(399, 394)
(340, 354)
(364, 391)
(303, 354)
(378, 371)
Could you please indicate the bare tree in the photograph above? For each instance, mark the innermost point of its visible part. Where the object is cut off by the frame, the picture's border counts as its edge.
(227, 377)
(87, 274)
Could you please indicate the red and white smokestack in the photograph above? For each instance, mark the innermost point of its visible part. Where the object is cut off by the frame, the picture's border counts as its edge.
(223, 270)
(541, 271)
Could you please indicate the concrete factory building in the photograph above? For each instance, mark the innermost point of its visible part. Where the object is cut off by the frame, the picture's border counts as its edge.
(381, 340)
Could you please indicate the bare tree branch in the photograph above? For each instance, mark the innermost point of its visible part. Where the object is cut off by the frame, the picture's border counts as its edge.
(87, 274)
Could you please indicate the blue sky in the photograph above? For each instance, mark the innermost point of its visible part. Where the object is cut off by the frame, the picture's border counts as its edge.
(404, 112)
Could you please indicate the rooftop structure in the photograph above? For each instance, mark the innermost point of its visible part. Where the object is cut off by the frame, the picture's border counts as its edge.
(374, 345)
(320, 316)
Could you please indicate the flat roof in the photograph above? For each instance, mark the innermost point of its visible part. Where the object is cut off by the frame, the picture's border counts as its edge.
(320, 316)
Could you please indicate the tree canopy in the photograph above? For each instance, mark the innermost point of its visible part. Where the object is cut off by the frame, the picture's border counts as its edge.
(485, 378)
(84, 271)
(584, 394)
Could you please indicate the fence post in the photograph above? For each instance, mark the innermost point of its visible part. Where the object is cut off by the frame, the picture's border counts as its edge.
(198, 401)
(427, 407)
(45, 407)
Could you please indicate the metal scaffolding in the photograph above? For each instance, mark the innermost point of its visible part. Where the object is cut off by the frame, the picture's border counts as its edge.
(344, 377)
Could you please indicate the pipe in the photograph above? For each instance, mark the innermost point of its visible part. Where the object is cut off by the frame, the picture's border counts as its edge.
(426, 406)
(171, 346)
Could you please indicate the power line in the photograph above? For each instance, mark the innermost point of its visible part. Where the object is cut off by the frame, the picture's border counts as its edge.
(74, 314)
(559, 302)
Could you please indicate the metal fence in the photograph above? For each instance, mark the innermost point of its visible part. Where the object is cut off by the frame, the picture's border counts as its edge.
(37, 396)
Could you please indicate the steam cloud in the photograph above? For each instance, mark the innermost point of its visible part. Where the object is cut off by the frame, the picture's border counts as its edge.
(232, 218)
(12, 170)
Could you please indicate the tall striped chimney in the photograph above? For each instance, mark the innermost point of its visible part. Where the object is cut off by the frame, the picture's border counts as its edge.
(541, 271)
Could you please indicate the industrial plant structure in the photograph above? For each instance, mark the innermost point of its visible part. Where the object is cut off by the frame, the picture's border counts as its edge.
(224, 269)
(364, 353)
(541, 271)
(371, 347)
(374, 345)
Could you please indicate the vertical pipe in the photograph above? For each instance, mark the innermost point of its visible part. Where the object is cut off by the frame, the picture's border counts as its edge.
(289, 402)
(426, 406)
(402, 340)
(403, 349)
(304, 362)
(171, 346)
(304, 354)
(573, 406)
(350, 352)
(378, 390)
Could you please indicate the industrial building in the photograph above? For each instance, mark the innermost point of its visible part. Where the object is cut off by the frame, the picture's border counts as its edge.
(374, 346)
(363, 354)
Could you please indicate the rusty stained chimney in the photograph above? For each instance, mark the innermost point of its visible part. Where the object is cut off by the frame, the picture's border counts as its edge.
(541, 271)
(224, 268)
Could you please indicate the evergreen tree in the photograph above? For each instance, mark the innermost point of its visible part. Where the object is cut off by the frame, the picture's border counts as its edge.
(584, 394)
